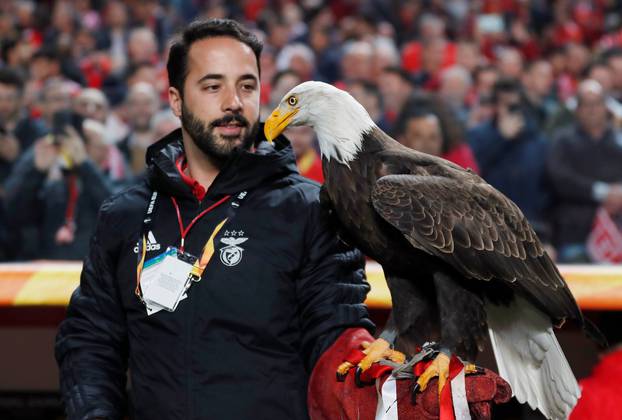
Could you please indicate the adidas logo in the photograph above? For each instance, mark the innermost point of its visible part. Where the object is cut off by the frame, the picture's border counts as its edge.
(152, 243)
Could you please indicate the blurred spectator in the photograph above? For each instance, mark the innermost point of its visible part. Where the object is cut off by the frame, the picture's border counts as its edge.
(585, 171)
(142, 104)
(614, 60)
(454, 89)
(428, 125)
(357, 62)
(17, 129)
(114, 34)
(54, 97)
(92, 103)
(142, 46)
(386, 55)
(164, 122)
(511, 154)
(53, 196)
(307, 158)
(510, 63)
(537, 83)
(395, 87)
(299, 58)
(433, 51)
(368, 95)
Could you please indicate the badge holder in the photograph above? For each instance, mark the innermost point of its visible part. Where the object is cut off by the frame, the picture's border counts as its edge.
(165, 279)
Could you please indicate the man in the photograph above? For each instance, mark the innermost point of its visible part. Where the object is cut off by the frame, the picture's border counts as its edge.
(584, 167)
(455, 86)
(537, 81)
(277, 292)
(17, 130)
(511, 154)
(141, 105)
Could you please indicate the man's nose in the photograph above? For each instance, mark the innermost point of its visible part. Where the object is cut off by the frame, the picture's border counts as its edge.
(232, 102)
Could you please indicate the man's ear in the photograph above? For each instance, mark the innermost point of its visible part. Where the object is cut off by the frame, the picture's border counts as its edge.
(175, 101)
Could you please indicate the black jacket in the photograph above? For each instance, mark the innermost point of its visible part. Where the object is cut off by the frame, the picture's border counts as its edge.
(243, 342)
(36, 209)
(576, 162)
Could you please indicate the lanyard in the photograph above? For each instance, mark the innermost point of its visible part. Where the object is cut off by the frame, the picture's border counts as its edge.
(184, 232)
(208, 249)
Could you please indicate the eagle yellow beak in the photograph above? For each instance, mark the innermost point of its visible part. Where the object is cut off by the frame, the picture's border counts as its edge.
(277, 122)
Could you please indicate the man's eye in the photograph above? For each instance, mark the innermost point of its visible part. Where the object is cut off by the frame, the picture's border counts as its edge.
(211, 88)
(248, 86)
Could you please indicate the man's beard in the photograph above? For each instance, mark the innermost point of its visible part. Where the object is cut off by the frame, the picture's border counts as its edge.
(218, 147)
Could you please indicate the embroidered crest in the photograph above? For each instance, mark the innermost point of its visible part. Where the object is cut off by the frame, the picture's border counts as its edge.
(231, 254)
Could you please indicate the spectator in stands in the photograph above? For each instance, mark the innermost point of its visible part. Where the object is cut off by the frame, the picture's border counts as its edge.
(55, 96)
(395, 86)
(614, 60)
(299, 58)
(53, 196)
(369, 96)
(113, 36)
(428, 124)
(585, 171)
(142, 46)
(511, 154)
(92, 103)
(17, 129)
(357, 62)
(454, 90)
(164, 122)
(142, 104)
(510, 63)
(537, 81)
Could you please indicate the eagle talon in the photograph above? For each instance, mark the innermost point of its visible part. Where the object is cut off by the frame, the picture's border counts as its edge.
(439, 368)
(413, 395)
(342, 371)
(357, 378)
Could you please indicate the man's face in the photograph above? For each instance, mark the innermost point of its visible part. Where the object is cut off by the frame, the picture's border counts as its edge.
(541, 78)
(141, 106)
(9, 102)
(424, 134)
(508, 103)
(591, 110)
(220, 105)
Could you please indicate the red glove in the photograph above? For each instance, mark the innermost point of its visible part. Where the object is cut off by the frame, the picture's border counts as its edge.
(330, 399)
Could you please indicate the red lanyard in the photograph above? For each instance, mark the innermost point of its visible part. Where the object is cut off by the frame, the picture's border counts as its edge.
(185, 231)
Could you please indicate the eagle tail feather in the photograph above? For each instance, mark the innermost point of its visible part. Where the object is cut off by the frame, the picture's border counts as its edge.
(530, 358)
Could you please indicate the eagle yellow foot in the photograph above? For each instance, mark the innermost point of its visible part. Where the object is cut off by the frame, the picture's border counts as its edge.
(374, 352)
(440, 367)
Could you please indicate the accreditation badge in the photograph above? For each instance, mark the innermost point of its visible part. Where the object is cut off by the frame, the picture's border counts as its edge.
(165, 279)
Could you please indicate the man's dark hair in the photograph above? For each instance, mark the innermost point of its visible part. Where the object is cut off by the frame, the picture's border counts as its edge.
(400, 72)
(505, 85)
(10, 77)
(47, 52)
(177, 65)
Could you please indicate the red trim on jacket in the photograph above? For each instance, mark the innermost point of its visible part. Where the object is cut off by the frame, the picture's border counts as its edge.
(198, 190)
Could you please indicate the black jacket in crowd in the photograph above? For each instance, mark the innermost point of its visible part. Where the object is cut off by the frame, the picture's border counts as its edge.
(36, 208)
(574, 164)
(242, 344)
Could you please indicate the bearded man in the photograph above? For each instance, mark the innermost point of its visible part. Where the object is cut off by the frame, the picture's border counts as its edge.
(215, 282)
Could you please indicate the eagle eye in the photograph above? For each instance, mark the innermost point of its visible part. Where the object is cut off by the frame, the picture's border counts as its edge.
(292, 100)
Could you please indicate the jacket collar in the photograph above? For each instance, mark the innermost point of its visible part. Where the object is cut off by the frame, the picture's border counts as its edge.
(243, 171)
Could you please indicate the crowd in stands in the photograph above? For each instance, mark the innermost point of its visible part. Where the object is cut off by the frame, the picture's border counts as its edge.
(526, 93)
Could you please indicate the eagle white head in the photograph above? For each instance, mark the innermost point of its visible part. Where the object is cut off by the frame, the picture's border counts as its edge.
(337, 118)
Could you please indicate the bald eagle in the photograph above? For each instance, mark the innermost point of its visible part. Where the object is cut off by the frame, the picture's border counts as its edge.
(459, 257)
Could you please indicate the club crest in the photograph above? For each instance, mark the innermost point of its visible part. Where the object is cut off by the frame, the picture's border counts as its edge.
(231, 254)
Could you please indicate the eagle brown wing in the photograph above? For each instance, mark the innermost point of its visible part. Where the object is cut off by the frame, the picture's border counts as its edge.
(477, 230)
